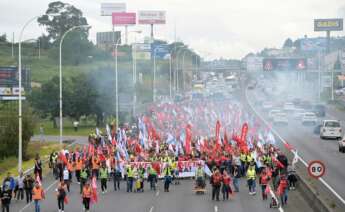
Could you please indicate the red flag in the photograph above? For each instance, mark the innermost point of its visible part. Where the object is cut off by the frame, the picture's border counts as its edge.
(218, 132)
(244, 133)
(267, 190)
(288, 146)
(188, 139)
(277, 163)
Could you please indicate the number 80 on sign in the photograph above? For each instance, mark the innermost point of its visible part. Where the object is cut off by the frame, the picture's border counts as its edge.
(316, 169)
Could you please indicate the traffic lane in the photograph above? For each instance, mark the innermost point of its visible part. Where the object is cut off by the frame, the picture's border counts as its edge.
(311, 147)
(181, 198)
(110, 201)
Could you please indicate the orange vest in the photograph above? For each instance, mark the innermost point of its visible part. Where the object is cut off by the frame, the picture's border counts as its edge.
(37, 193)
(79, 165)
(264, 179)
(70, 166)
(87, 192)
(95, 164)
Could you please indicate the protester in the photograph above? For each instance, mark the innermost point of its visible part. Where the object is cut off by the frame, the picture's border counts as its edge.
(226, 189)
(38, 167)
(61, 195)
(236, 178)
(216, 182)
(167, 177)
(9, 180)
(103, 172)
(28, 186)
(20, 186)
(66, 178)
(5, 196)
(37, 196)
(86, 195)
(282, 190)
(251, 176)
(152, 177)
(264, 179)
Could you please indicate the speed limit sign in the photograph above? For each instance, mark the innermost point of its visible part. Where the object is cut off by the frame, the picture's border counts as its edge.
(316, 169)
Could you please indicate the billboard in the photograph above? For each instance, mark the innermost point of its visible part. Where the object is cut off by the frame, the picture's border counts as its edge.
(107, 37)
(107, 9)
(8, 76)
(124, 18)
(334, 24)
(313, 44)
(141, 51)
(151, 17)
(254, 63)
(271, 64)
(5, 91)
(160, 51)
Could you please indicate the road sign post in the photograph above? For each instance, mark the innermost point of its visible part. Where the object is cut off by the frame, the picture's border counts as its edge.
(316, 169)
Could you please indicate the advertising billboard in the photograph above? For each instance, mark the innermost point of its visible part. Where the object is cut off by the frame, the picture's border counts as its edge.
(313, 44)
(284, 64)
(107, 37)
(5, 91)
(141, 51)
(107, 9)
(124, 18)
(333, 24)
(151, 17)
(160, 51)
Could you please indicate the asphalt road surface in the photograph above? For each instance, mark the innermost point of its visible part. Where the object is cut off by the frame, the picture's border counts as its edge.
(181, 198)
(311, 147)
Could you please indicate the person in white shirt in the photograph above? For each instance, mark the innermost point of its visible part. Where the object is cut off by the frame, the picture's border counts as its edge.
(66, 178)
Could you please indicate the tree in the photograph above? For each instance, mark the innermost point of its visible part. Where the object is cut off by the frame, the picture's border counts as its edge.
(3, 38)
(9, 131)
(288, 43)
(65, 17)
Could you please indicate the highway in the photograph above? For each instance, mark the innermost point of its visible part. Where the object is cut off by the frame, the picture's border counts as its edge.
(311, 147)
(181, 198)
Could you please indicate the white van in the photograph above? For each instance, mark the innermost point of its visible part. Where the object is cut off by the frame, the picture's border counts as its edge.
(330, 129)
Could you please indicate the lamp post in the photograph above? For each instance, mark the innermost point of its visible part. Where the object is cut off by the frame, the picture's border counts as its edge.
(154, 75)
(177, 67)
(20, 130)
(60, 76)
(134, 60)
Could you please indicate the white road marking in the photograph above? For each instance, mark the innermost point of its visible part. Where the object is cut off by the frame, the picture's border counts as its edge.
(215, 208)
(157, 193)
(299, 156)
(151, 209)
(45, 191)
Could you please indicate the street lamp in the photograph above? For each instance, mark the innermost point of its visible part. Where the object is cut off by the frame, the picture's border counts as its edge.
(176, 74)
(20, 121)
(60, 75)
(117, 43)
(134, 60)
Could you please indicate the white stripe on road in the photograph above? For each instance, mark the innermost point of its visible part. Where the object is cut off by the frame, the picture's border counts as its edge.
(151, 209)
(215, 208)
(299, 156)
(275, 197)
(157, 193)
(45, 191)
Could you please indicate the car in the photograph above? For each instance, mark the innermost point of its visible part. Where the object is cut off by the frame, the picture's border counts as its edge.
(340, 91)
(298, 113)
(330, 129)
(267, 105)
(309, 118)
(289, 106)
(280, 118)
(341, 143)
(272, 113)
(319, 110)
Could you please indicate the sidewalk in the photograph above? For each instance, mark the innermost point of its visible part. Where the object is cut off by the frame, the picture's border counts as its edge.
(54, 138)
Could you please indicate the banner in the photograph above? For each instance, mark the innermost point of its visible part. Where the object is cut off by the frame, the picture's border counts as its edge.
(108, 8)
(124, 19)
(151, 17)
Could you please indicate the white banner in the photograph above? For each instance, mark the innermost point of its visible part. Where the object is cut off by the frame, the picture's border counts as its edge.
(151, 17)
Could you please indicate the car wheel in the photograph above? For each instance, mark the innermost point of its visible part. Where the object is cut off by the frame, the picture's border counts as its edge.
(321, 137)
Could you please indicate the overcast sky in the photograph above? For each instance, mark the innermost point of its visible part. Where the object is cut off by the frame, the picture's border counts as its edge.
(218, 28)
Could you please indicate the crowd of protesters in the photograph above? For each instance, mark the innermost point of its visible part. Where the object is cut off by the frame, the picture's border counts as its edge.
(220, 140)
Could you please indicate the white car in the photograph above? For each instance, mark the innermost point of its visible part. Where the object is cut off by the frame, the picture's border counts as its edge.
(309, 118)
(267, 105)
(340, 91)
(280, 118)
(288, 106)
(342, 145)
(330, 129)
(272, 113)
(298, 114)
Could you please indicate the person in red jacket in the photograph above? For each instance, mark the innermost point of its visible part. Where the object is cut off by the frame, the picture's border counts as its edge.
(216, 182)
(283, 188)
(226, 189)
(264, 178)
